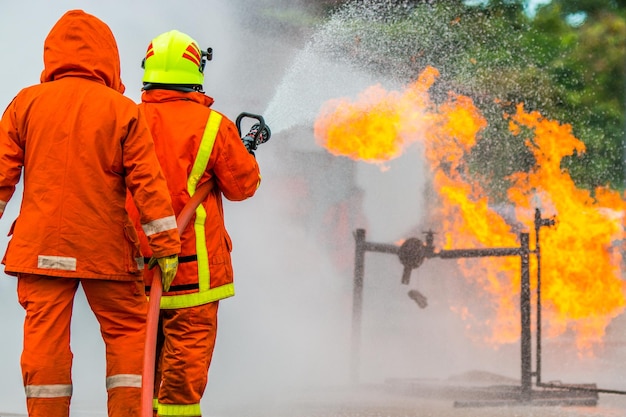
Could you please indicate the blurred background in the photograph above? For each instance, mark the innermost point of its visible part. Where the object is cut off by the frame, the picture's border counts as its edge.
(398, 117)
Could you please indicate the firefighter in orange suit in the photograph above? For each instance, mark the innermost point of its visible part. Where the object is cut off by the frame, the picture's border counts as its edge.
(82, 145)
(194, 144)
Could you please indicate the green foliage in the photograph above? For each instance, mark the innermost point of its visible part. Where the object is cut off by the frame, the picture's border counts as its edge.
(496, 54)
(568, 62)
(588, 68)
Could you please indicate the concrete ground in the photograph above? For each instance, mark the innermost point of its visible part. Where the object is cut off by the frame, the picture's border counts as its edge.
(380, 401)
(413, 399)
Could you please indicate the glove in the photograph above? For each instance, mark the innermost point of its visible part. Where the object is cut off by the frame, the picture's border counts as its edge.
(249, 143)
(254, 138)
(169, 266)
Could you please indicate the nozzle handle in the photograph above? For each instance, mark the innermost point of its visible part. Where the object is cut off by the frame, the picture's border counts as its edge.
(252, 116)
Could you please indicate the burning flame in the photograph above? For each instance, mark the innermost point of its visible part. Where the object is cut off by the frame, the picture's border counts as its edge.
(580, 270)
(377, 127)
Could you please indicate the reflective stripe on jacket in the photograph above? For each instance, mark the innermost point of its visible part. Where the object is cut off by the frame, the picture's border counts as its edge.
(81, 144)
(194, 145)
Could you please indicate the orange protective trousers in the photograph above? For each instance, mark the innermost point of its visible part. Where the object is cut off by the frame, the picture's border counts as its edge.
(120, 308)
(185, 344)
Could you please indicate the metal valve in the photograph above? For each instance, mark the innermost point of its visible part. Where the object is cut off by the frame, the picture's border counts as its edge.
(411, 253)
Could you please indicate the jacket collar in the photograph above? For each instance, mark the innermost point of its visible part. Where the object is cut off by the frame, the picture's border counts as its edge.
(160, 96)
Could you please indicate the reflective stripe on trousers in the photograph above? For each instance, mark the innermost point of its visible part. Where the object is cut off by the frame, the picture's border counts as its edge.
(48, 400)
(48, 391)
(124, 381)
(120, 308)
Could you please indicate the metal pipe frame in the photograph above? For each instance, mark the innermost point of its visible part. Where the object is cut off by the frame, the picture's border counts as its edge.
(523, 251)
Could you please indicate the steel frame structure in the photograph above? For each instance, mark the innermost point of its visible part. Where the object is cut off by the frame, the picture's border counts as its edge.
(413, 252)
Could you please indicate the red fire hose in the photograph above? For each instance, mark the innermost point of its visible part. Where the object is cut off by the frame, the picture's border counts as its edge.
(156, 290)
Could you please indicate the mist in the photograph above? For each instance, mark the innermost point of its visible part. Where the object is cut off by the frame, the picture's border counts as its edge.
(288, 328)
(288, 324)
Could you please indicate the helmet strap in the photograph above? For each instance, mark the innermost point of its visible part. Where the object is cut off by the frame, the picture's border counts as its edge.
(186, 88)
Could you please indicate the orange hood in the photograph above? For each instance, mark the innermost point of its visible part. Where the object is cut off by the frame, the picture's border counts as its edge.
(81, 45)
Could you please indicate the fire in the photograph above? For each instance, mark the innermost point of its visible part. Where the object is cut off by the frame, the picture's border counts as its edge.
(581, 286)
(378, 126)
(581, 270)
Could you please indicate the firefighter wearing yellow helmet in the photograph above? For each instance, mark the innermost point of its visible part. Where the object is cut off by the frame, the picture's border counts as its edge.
(195, 145)
(174, 60)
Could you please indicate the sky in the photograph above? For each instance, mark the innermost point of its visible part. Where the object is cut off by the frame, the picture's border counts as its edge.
(531, 5)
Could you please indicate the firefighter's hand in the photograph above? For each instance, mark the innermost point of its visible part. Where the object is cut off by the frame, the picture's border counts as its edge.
(169, 266)
(249, 143)
(255, 137)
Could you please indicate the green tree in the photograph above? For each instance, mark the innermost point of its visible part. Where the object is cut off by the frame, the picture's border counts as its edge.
(586, 60)
(480, 51)
(567, 61)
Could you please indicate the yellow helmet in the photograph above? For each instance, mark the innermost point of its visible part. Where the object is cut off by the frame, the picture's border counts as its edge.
(174, 58)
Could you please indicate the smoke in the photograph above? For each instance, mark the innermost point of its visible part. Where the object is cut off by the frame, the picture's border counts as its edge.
(337, 62)
(289, 326)
(23, 28)
(321, 199)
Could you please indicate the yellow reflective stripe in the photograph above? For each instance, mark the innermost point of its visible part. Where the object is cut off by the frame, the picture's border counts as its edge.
(197, 171)
(48, 391)
(178, 410)
(204, 273)
(155, 404)
(124, 381)
(197, 298)
(204, 152)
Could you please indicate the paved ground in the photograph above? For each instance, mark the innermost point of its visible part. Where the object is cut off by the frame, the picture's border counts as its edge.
(415, 398)
(379, 401)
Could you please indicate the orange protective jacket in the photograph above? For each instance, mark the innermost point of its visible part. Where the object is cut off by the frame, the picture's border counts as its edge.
(180, 124)
(81, 144)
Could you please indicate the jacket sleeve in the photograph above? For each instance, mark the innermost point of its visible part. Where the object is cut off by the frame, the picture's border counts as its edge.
(235, 170)
(148, 188)
(11, 155)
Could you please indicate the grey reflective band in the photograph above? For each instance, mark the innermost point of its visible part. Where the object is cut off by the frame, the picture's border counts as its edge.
(63, 263)
(48, 391)
(124, 380)
(159, 225)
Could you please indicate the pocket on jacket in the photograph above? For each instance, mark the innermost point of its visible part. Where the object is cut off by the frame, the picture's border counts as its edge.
(222, 254)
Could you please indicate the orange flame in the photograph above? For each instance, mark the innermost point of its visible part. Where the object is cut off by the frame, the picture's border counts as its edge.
(581, 272)
(581, 285)
(380, 123)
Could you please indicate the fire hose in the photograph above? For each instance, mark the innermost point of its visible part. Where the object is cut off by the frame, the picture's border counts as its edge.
(154, 305)
(259, 133)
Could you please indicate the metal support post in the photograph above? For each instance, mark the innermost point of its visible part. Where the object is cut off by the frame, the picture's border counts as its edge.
(526, 349)
(357, 303)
